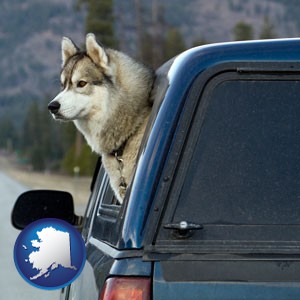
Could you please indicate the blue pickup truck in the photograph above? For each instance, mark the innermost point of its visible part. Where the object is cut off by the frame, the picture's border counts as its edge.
(213, 211)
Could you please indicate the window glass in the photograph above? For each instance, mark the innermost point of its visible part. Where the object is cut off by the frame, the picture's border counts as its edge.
(246, 165)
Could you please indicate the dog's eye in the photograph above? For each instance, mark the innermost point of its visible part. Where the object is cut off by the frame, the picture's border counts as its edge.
(81, 84)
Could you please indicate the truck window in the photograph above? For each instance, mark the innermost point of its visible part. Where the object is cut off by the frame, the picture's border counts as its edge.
(242, 180)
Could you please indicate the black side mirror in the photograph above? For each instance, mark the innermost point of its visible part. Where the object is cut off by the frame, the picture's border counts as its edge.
(38, 204)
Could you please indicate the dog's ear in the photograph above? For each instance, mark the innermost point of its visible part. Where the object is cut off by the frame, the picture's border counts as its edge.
(68, 49)
(95, 51)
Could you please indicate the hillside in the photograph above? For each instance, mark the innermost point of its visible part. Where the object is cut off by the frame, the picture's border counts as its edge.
(30, 35)
(217, 18)
(213, 20)
(31, 30)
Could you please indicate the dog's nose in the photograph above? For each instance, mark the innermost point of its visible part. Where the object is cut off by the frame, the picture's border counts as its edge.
(54, 107)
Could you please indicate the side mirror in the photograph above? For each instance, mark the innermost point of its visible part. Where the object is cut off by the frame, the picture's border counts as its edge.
(38, 204)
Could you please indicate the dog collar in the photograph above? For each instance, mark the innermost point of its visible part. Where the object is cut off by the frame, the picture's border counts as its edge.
(119, 152)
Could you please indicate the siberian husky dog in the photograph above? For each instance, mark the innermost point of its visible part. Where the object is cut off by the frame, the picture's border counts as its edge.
(106, 94)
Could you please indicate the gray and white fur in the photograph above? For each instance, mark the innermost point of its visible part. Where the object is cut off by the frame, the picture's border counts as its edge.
(106, 94)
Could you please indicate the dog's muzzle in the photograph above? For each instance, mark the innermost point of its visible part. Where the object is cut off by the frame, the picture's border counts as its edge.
(54, 107)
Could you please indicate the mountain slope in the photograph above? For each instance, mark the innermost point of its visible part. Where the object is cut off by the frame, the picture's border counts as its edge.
(31, 31)
(30, 35)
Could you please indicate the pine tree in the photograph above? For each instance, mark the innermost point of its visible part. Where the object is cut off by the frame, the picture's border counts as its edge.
(85, 161)
(242, 31)
(41, 141)
(32, 137)
(30, 133)
(8, 134)
(157, 36)
(200, 42)
(268, 31)
(100, 20)
(174, 43)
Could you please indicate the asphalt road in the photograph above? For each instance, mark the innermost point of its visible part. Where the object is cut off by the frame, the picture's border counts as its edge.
(12, 285)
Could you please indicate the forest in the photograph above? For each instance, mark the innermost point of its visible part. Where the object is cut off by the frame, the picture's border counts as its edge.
(43, 144)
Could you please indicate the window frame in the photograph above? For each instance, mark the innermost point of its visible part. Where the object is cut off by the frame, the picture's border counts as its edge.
(196, 101)
(104, 224)
(111, 213)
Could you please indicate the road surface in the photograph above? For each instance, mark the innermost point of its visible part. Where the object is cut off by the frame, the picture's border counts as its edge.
(12, 285)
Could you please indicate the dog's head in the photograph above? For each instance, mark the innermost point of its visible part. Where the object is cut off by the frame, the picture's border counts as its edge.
(85, 76)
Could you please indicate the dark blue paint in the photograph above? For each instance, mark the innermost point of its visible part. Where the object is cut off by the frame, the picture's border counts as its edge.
(131, 267)
(181, 75)
(213, 290)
